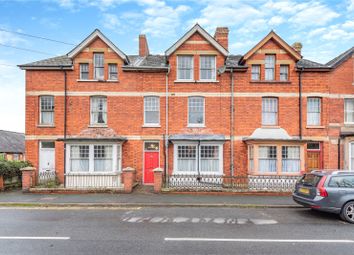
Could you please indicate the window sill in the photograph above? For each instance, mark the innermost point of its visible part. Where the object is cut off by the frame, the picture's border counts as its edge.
(185, 81)
(45, 126)
(98, 126)
(315, 127)
(151, 126)
(270, 126)
(80, 80)
(349, 124)
(196, 126)
(92, 173)
(272, 82)
(207, 81)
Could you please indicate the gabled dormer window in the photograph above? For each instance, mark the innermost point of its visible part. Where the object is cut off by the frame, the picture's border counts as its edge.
(185, 68)
(98, 62)
(207, 68)
(84, 71)
(112, 72)
(270, 67)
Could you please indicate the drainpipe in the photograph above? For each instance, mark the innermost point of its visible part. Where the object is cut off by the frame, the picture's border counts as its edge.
(300, 102)
(166, 124)
(65, 120)
(232, 124)
(338, 153)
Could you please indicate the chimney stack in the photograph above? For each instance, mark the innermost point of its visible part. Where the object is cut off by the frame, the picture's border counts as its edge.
(143, 46)
(297, 46)
(222, 36)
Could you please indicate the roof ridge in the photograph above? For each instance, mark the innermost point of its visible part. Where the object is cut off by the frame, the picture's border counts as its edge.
(11, 131)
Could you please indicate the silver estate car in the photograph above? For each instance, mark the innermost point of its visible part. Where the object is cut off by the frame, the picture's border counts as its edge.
(329, 191)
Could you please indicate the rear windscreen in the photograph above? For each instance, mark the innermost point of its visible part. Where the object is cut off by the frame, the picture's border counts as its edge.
(310, 180)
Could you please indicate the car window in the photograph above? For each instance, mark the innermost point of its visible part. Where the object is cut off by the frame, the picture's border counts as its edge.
(310, 180)
(342, 182)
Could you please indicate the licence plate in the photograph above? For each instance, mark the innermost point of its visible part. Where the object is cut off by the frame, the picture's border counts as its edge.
(304, 191)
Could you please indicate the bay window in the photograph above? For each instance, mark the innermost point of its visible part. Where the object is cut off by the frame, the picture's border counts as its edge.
(349, 110)
(196, 158)
(267, 159)
(207, 68)
(313, 111)
(185, 68)
(93, 158)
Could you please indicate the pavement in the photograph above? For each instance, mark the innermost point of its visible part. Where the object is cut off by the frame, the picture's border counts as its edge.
(171, 230)
(18, 198)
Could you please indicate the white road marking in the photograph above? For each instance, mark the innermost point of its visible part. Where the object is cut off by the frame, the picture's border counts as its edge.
(263, 222)
(187, 239)
(242, 221)
(219, 220)
(134, 219)
(34, 238)
(180, 220)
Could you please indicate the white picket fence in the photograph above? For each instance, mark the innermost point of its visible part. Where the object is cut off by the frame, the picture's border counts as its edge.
(94, 181)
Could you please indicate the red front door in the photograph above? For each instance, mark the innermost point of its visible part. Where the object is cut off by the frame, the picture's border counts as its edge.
(151, 159)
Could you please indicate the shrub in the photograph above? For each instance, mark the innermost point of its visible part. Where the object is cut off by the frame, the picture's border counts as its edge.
(9, 169)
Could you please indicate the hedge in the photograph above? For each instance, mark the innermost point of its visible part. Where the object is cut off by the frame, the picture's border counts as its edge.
(9, 169)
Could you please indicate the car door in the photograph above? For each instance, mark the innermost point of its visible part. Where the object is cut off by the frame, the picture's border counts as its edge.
(340, 189)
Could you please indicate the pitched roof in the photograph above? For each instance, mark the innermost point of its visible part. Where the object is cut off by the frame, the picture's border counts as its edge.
(56, 62)
(147, 62)
(341, 58)
(233, 61)
(205, 34)
(97, 33)
(278, 39)
(305, 63)
(12, 142)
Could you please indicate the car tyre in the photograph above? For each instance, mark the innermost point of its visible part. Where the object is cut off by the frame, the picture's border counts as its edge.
(347, 212)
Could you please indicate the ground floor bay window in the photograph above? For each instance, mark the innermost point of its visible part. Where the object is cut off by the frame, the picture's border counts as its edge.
(275, 159)
(93, 165)
(198, 158)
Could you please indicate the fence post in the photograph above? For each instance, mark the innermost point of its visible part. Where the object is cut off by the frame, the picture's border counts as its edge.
(129, 179)
(1, 183)
(158, 179)
(27, 177)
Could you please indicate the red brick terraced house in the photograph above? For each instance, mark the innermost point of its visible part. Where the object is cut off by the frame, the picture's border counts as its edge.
(195, 110)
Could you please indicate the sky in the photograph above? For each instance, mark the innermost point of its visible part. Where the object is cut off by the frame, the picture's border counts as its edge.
(325, 28)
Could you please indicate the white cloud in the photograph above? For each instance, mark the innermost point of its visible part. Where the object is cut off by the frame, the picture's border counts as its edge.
(275, 21)
(350, 5)
(111, 21)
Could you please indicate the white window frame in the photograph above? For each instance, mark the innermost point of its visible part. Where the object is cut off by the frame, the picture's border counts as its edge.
(258, 73)
(266, 171)
(81, 71)
(192, 68)
(94, 66)
(319, 111)
(91, 111)
(213, 70)
(266, 68)
(298, 159)
(345, 110)
(110, 71)
(276, 113)
(282, 74)
(40, 110)
(116, 158)
(188, 111)
(158, 102)
(198, 157)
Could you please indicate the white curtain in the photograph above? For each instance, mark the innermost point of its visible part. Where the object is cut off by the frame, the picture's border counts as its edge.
(209, 165)
(186, 165)
(99, 65)
(269, 111)
(196, 110)
(185, 67)
(103, 161)
(269, 67)
(47, 117)
(79, 165)
(207, 67)
(152, 110)
(290, 159)
(313, 111)
(79, 158)
(256, 72)
(267, 165)
(99, 110)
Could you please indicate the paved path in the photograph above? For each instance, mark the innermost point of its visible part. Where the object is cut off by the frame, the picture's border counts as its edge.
(249, 231)
(148, 198)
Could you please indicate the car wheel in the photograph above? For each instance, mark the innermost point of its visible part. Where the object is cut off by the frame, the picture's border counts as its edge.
(347, 212)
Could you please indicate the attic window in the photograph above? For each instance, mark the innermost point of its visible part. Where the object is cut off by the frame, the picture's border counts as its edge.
(269, 67)
(98, 61)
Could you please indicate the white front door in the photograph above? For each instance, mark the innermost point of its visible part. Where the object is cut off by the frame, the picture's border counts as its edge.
(47, 157)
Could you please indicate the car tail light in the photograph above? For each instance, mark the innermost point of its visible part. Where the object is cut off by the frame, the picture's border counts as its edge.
(321, 191)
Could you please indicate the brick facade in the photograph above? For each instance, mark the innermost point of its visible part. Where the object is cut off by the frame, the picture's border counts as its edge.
(125, 105)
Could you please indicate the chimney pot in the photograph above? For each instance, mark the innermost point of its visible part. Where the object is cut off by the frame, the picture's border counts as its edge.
(297, 46)
(222, 36)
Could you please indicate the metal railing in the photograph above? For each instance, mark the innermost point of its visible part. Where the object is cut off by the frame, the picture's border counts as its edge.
(46, 177)
(249, 183)
(93, 181)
